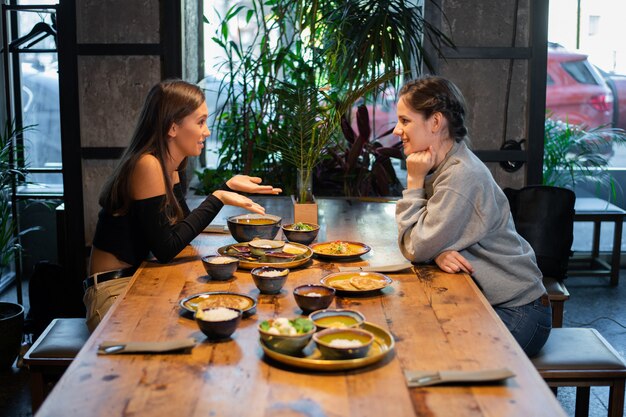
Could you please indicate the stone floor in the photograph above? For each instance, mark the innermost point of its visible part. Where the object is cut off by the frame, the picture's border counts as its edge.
(593, 303)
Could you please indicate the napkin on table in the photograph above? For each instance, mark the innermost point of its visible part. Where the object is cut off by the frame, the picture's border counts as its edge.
(426, 378)
(216, 228)
(376, 268)
(115, 347)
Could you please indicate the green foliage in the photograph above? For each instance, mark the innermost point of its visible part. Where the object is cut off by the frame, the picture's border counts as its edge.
(308, 61)
(573, 155)
(11, 174)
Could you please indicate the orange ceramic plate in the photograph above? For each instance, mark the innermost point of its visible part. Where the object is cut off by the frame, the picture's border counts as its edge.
(328, 250)
(356, 282)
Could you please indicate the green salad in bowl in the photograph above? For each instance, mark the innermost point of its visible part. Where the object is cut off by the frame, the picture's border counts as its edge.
(285, 335)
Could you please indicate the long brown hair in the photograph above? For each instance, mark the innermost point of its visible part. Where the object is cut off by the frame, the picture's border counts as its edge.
(168, 102)
(432, 94)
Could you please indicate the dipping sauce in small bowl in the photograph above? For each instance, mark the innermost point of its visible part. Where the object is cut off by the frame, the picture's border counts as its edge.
(312, 297)
(260, 246)
(337, 319)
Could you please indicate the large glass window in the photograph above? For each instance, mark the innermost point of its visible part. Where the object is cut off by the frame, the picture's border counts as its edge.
(587, 67)
(39, 79)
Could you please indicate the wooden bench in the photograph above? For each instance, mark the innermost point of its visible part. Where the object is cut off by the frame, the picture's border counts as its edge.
(582, 358)
(597, 211)
(52, 353)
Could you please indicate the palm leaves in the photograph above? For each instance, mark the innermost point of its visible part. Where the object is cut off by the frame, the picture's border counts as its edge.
(573, 155)
(10, 175)
(375, 35)
(310, 116)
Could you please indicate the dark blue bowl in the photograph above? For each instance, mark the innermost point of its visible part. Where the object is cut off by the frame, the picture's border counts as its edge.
(246, 227)
(220, 271)
(301, 236)
(269, 284)
(218, 330)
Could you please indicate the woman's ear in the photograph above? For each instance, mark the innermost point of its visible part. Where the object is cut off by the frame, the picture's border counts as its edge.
(173, 130)
(436, 122)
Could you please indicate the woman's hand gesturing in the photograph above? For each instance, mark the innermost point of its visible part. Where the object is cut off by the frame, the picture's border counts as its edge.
(247, 184)
(452, 262)
(238, 200)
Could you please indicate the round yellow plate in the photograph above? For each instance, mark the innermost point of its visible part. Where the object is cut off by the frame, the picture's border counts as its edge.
(311, 357)
(330, 279)
(245, 264)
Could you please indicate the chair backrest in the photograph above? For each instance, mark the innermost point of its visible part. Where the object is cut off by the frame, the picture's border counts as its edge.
(544, 216)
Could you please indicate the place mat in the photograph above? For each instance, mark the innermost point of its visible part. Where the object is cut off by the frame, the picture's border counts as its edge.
(216, 228)
(117, 347)
(377, 268)
(426, 378)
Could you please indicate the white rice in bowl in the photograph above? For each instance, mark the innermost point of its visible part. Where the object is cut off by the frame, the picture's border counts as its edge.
(345, 343)
(221, 260)
(272, 273)
(217, 314)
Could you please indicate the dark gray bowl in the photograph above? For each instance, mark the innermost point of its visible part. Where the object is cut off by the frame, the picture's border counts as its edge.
(301, 236)
(269, 284)
(220, 271)
(218, 330)
(246, 227)
(309, 303)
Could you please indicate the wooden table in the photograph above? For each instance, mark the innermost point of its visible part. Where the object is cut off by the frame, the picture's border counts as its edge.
(440, 322)
(596, 210)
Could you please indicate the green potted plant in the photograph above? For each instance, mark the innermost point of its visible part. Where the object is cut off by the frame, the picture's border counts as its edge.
(573, 155)
(11, 314)
(312, 118)
(315, 55)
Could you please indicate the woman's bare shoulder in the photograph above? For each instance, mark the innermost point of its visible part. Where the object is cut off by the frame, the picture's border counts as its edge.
(147, 178)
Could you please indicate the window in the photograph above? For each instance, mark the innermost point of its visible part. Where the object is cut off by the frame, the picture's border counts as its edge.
(579, 71)
(594, 25)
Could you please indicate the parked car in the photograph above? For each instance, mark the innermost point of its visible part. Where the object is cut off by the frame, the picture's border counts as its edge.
(576, 92)
(617, 84)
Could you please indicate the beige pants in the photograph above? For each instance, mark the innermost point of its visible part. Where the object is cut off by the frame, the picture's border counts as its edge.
(100, 297)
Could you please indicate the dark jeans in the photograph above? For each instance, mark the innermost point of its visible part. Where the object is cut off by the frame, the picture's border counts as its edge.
(529, 324)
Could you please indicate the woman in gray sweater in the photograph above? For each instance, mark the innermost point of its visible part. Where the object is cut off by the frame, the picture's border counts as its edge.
(454, 213)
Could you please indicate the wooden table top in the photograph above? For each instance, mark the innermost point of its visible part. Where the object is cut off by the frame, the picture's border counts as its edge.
(439, 321)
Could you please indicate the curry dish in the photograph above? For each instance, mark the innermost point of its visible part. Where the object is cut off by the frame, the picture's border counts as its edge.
(339, 248)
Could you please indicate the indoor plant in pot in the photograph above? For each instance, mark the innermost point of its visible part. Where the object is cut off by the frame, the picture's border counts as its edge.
(574, 155)
(312, 52)
(11, 315)
(311, 118)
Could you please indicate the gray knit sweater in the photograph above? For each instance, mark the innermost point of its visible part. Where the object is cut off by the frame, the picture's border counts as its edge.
(462, 208)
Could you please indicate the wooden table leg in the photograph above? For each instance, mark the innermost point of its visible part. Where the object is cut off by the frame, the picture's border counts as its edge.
(616, 399)
(617, 250)
(595, 250)
(582, 401)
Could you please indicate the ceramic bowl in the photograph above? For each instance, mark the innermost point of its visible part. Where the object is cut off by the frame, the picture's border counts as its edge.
(246, 227)
(312, 297)
(336, 343)
(220, 267)
(286, 343)
(301, 236)
(215, 328)
(269, 279)
(259, 247)
(337, 318)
